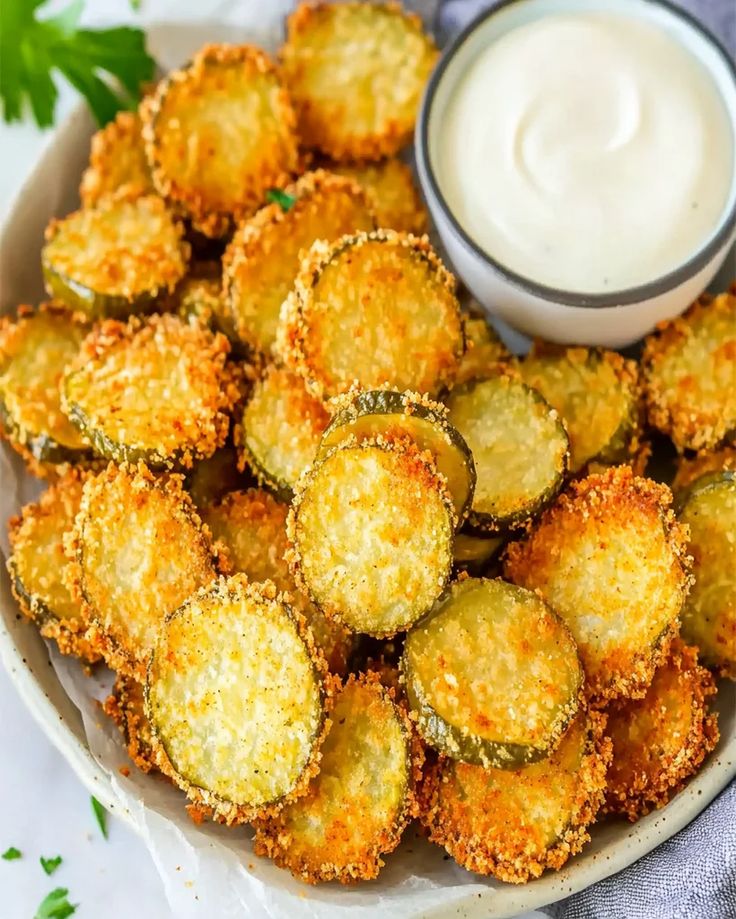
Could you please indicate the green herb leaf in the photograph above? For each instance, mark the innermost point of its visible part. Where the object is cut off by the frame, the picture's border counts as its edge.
(101, 815)
(11, 854)
(135, 5)
(50, 865)
(107, 66)
(55, 905)
(277, 196)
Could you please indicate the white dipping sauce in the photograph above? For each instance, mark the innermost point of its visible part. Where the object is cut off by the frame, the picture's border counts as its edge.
(590, 152)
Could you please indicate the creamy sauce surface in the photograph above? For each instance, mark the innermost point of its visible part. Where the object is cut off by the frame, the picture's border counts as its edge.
(590, 152)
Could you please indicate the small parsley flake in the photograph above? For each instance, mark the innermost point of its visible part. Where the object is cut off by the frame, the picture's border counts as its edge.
(11, 854)
(282, 198)
(55, 905)
(50, 865)
(101, 815)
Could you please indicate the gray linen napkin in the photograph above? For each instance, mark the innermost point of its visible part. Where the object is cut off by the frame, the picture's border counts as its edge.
(692, 875)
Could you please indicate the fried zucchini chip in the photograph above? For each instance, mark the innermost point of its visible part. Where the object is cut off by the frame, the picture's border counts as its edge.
(689, 378)
(519, 445)
(138, 549)
(251, 525)
(356, 72)
(475, 554)
(371, 528)
(374, 309)
(509, 705)
(392, 193)
(199, 297)
(280, 430)
(213, 478)
(486, 354)
(218, 134)
(611, 559)
(659, 741)
(263, 257)
(515, 824)
(35, 348)
(236, 696)
(360, 802)
(156, 390)
(596, 393)
(126, 706)
(117, 162)
(391, 414)
(709, 614)
(115, 259)
(37, 564)
(690, 470)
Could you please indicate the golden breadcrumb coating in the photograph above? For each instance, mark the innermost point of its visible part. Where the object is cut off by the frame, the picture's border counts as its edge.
(689, 374)
(689, 470)
(117, 161)
(660, 740)
(486, 354)
(357, 806)
(238, 696)
(356, 72)
(219, 133)
(125, 705)
(37, 565)
(372, 309)
(611, 559)
(263, 257)
(515, 824)
(393, 195)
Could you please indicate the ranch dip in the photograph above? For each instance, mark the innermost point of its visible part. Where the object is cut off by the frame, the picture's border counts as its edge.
(590, 152)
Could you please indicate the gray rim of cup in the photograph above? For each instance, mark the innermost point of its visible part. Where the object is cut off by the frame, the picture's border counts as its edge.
(630, 295)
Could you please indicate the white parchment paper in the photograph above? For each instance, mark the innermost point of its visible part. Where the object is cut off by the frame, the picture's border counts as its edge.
(209, 870)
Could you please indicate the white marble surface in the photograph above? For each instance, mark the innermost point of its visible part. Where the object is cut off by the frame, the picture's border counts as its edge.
(44, 808)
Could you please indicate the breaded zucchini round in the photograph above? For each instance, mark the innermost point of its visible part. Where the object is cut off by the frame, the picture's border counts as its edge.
(138, 550)
(486, 354)
(35, 348)
(37, 566)
(596, 393)
(374, 309)
(659, 741)
(511, 703)
(251, 525)
(688, 368)
(199, 297)
(391, 191)
(361, 800)
(212, 478)
(117, 162)
(115, 259)
(219, 133)
(709, 614)
(515, 824)
(611, 559)
(126, 706)
(280, 430)
(356, 72)
(262, 259)
(690, 470)
(388, 413)
(519, 445)
(371, 527)
(156, 389)
(236, 697)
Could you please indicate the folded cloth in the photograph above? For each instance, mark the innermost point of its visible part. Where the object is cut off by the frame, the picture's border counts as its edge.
(692, 875)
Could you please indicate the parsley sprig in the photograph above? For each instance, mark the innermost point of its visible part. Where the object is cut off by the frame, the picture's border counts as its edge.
(107, 66)
(55, 905)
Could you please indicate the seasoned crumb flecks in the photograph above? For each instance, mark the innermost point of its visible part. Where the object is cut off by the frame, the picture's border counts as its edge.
(37, 566)
(263, 257)
(372, 309)
(689, 375)
(219, 133)
(516, 823)
(356, 72)
(381, 504)
(660, 740)
(157, 389)
(125, 705)
(138, 549)
(390, 187)
(238, 696)
(611, 559)
(117, 162)
(357, 806)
